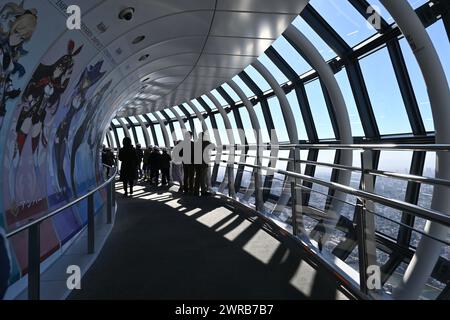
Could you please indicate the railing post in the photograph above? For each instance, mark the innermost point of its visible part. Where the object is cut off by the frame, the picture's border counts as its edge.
(109, 206)
(34, 262)
(365, 224)
(294, 199)
(91, 224)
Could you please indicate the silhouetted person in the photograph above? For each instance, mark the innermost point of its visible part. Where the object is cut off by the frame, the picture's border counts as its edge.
(188, 162)
(128, 170)
(177, 171)
(107, 159)
(146, 163)
(155, 166)
(201, 168)
(140, 156)
(165, 167)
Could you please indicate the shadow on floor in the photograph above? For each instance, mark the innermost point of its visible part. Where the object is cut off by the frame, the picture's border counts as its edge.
(168, 246)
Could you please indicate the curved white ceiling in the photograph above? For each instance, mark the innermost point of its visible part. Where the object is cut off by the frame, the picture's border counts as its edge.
(192, 46)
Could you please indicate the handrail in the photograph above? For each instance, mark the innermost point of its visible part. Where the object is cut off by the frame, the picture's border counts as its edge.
(66, 206)
(380, 173)
(427, 214)
(368, 146)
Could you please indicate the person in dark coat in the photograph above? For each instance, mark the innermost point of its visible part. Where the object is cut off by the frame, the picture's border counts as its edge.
(140, 155)
(107, 159)
(155, 166)
(187, 153)
(201, 168)
(165, 167)
(128, 170)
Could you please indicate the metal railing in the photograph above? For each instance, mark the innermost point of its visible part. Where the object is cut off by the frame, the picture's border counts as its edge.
(33, 227)
(365, 194)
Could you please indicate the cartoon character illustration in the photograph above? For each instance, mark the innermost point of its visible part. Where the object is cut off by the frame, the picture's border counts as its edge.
(17, 26)
(86, 129)
(89, 78)
(41, 95)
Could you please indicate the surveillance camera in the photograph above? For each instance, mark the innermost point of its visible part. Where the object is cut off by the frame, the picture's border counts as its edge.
(126, 14)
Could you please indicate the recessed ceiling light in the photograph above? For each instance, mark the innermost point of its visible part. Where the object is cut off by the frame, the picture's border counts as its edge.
(138, 39)
(143, 57)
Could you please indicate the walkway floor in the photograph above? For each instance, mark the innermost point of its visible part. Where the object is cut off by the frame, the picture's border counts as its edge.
(164, 246)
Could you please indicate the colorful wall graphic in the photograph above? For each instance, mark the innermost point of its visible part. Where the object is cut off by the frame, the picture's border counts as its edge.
(54, 107)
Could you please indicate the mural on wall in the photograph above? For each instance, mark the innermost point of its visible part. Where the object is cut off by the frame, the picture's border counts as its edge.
(86, 133)
(90, 76)
(41, 97)
(53, 106)
(17, 26)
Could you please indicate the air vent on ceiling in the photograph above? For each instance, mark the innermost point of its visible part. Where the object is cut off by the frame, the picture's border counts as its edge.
(102, 27)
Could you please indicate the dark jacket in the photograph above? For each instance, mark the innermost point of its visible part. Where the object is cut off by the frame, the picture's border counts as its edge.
(108, 158)
(128, 170)
(165, 160)
(140, 154)
(155, 160)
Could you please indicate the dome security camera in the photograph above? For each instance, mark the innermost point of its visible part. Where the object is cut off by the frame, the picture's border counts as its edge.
(126, 14)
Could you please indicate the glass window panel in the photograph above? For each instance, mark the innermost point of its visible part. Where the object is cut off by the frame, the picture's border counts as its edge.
(189, 109)
(257, 78)
(262, 123)
(198, 126)
(121, 135)
(212, 137)
(355, 121)
(319, 110)
(222, 130)
(169, 113)
(159, 135)
(209, 102)
(278, 119)
(178, 131)
(140, 135)
(219, 97)
(178, 110)
(237, 138)
(326, 52)
(198, 105)
(231, 92)
(291, 56)
(420, 89)
(115, 122)
(246, 123)
(345, 19)
(376, 4)
(249, 93)
(133, 120)
(293, 102)
(152, 117)
(384, 93)
(273, 69)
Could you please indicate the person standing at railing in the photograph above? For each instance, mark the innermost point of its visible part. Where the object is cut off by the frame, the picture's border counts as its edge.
(146, 163)
(128, 169)
(107, 159)
(155, 166)
(165, 168)
(187, 154)
(177, 171)
(140, 155)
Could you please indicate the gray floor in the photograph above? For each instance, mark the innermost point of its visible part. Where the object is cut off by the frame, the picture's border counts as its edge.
(164, 246)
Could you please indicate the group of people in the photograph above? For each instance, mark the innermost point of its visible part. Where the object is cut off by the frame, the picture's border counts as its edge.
(190, 168)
